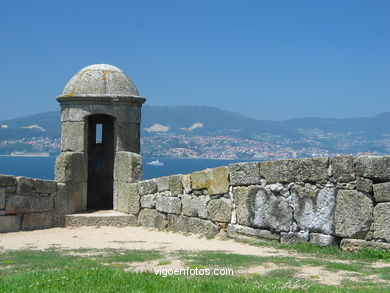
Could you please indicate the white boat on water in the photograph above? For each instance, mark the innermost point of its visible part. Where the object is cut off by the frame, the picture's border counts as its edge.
(155, 163)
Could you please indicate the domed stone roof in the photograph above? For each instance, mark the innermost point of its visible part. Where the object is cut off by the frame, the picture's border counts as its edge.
(100, 80)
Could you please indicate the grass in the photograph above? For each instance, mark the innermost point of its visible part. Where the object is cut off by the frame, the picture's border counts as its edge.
(55, 270)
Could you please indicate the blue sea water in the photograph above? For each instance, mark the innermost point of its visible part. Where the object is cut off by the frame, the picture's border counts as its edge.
(43, 167)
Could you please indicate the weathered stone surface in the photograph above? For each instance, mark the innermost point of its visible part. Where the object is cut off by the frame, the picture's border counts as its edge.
(220, 210)
(186, 181)
(248, 233)
(306, 170)
(70, 167)
(214, 180)
(9, 223)
(162, 183)
(195, 206)
(294, 237)
(147, 187)
(193, 225)
(20, 204)
(374, 168)
(77, 113)
(353, 214)
(2, 198)
(127, 167)
(363, 184)
(342, 168)
(381, 225)
(148, 201)
(45, 186)
(77, 196)
(7, 180)
(358, 244)
(25, 186)
(37, 221)
(73, 136)
(314, 209)
(269, 211)
(61, 205)
(152, 218)
(244, 174)
(175, 184)
(128, 137)
(168, 204)
(243, 198)
(101, 218)
(127, 198)
(382, 192)
(322, 239)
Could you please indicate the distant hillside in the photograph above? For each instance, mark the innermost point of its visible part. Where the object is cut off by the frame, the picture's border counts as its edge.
(334, 135)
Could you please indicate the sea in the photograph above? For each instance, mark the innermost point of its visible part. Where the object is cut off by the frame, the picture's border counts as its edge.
(43, 167)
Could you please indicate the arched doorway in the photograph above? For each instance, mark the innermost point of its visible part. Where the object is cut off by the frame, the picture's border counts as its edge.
(100, 161)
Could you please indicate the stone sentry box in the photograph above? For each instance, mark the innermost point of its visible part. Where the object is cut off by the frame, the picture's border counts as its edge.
(100, 137)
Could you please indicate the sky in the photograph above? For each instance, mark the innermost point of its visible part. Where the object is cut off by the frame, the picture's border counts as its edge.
(266, 59)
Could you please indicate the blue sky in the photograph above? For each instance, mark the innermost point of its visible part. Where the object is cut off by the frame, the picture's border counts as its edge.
(274, 59)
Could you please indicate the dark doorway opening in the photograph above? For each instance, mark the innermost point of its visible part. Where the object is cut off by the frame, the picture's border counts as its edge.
(100, 161)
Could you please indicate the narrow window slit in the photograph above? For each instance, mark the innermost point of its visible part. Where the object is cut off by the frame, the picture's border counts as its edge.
(99, 134)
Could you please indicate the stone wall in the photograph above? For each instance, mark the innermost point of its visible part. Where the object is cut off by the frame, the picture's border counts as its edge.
(319, 200)
(29, 204)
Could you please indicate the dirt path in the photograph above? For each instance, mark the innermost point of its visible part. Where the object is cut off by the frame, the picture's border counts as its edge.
(169, 242)
(125, 237)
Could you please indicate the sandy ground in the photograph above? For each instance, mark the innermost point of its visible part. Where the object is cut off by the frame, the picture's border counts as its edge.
(127, 238)
(151, 239)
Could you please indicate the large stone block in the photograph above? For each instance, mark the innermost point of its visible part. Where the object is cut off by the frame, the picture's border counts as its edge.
(244, 174)
(193, 225)
(353, 214)
(147, 187)
(363, 184)
(4, 193)
(162, 183)
(187, 185)
(220, 210)
(382, 192)
(343, 168)
(168, 204)
(21, 204)
(195, 206)
(25, 186)
(314, 208)
(248, 233)
(77, 196)
(148, 201)
(306, 170)
(381, 225)
(70, 167)
(9, 223)
(152, 218)
(214, 180)
(37, 221)
(294, 237)
(127, 167)
(269, 210)
(322, 240)
(176, 185)
(73, 137)
(243, 198)
(358, 244)
(127, 198)
(7, 180)
(61, 205)
(45, 186)
(128, 137)
(375, 168)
